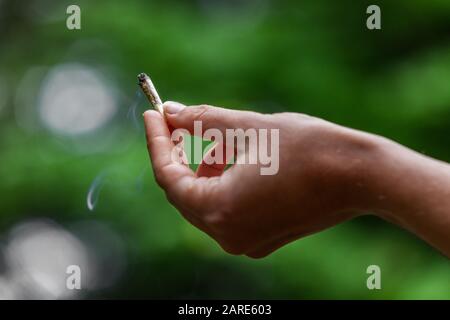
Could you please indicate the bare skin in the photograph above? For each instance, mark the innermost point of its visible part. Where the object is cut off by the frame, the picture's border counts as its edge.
(327, 174)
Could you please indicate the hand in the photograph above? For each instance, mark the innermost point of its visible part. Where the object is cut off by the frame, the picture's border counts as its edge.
(249, 213)
(327, 174)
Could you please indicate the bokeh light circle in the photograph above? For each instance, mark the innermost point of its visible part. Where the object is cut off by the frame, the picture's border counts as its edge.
(75, 99)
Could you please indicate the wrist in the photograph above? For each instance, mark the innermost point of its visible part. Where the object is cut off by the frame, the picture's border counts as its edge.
(349, 166)
(378, 176)
(369, 167)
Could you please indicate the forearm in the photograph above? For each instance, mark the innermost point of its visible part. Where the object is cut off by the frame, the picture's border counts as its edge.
(412, 191)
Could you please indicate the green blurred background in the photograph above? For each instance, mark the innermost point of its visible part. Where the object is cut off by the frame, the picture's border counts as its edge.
(75, 181)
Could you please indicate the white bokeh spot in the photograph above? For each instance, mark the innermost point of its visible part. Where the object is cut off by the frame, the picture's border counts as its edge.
(74, 99)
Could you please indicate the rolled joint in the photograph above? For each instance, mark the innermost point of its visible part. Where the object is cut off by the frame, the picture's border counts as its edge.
(150, 92)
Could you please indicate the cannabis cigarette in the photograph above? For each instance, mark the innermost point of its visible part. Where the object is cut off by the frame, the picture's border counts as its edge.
(150, 92)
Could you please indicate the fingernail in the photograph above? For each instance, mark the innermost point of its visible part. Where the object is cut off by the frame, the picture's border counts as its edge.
(172, 107)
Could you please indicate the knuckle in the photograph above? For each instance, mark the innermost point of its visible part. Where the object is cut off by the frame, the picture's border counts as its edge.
(222, 218)
(200, 112)
(218, 222)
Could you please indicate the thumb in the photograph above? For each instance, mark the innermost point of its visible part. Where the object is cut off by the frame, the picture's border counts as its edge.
(181, 116)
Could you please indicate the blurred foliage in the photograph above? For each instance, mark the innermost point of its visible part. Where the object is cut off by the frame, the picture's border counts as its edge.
(315, 57)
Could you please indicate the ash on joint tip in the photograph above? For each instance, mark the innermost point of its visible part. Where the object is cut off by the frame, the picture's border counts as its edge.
(150, 92)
